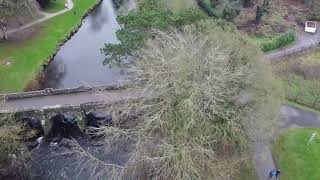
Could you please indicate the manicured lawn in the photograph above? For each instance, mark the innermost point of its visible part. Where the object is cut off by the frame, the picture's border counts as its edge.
(28, 56)
(297, 158)
(55, 6)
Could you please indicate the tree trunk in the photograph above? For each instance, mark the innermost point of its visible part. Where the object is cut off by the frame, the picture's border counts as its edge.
(314, 103)
(297, 96)
(259, 14)
(247, 3)
(5, 37)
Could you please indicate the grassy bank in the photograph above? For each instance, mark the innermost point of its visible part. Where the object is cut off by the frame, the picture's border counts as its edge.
(300, 76)
(27, 57)
(293, 146)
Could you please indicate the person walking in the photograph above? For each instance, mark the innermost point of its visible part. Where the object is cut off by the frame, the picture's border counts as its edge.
(277, 173)
(273, 173)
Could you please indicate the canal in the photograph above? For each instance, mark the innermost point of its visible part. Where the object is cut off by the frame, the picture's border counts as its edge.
(79, 62)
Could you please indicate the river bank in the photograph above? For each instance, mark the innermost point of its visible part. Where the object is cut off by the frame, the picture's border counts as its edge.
(85, 67)
(22, 61)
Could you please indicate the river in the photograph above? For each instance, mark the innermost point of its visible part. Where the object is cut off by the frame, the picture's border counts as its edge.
(79, 62)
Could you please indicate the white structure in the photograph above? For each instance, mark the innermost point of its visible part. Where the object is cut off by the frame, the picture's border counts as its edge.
(311, 27)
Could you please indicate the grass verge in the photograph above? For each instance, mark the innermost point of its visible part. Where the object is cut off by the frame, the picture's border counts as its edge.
(298, 158)
(28, 57)
(301, 106)
(300, 77)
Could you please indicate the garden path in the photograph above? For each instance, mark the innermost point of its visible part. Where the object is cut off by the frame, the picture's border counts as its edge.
(45, 17)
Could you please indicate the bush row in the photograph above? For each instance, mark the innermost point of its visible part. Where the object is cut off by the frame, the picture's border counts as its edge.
(278, 42)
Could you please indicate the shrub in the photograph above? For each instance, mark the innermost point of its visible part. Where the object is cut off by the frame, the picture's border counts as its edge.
(210, 86)
(206, 7)
(43, 3)
(10, 140)
(278, 42)
(229, 14)
(137, 24)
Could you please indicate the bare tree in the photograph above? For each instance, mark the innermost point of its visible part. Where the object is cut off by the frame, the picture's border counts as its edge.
(313, 87)
(14, 8)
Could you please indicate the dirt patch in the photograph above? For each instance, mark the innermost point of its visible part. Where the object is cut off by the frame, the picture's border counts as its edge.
(17, 37)
(15, 22)
(6, 62)
(285, 15)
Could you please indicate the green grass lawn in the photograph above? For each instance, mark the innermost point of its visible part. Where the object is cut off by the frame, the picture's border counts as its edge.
(297, 158)
(55, 6)
(28, 56)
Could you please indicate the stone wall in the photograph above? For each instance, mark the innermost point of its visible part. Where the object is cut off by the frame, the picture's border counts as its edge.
(50, 91)
(78, 112)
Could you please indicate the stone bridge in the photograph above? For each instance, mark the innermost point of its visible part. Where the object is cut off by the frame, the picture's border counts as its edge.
(45, 104)
(59, 98)
(64, 98)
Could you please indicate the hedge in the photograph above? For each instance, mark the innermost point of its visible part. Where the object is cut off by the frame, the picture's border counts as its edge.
(278, 42)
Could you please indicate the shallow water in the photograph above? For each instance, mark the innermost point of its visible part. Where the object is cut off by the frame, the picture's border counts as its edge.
(79, 62)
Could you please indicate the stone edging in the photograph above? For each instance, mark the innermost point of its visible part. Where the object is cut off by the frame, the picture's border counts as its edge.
(299, 51)
(61, 43)
(51, 92)
(74, 31)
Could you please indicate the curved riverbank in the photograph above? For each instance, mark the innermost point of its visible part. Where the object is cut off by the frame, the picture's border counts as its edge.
(21, 62)
(79, 62)
(34, 84)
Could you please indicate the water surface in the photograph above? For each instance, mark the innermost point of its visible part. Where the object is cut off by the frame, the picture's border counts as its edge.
(79, 62)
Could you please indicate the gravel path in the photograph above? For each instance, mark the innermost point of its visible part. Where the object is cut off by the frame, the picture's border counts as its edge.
(305, 41)
(45, 17)
(290, 117)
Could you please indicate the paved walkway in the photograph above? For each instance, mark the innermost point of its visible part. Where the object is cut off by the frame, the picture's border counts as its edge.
(305, 41)
(74, 99)
(290, 117)
(47, 16)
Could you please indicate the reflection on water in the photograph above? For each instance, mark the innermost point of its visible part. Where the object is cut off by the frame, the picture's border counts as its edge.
(98, 19)
(79, 62)
(56, 72)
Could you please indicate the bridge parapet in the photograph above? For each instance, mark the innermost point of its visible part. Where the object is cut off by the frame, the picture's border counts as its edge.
(51, 91)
